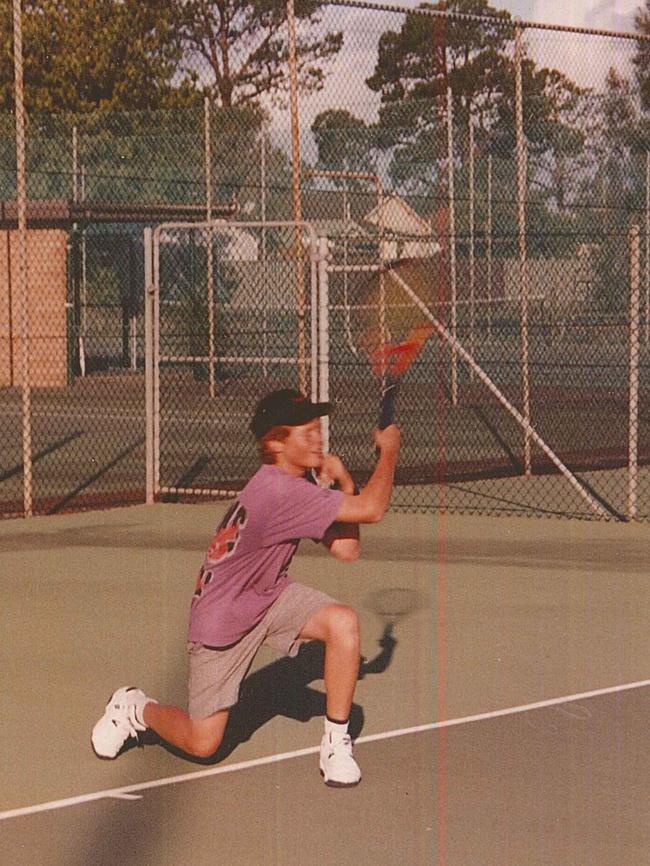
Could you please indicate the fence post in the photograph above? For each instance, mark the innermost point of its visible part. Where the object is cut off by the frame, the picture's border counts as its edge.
(296, 194)
(452, 242)
(523, 267)
(155, 308)
(83, 301)
(647, 247)
(315, 275)
(488, 251)
(21, 205)
(384, 255)
(80, 320)
(75, 165)
(323, 333)
(149, 291)
(633, 422)
(472, 262)
(265, 299)
(209, 261)
(346, 226)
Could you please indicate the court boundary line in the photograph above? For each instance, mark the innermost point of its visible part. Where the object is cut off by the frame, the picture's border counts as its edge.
(130, 792)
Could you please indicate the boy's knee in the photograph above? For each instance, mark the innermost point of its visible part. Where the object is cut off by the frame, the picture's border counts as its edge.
(204, 743)
(344, 622)
(203, 747)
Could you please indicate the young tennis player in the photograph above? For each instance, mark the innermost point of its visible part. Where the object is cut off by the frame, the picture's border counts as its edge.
(244, 596)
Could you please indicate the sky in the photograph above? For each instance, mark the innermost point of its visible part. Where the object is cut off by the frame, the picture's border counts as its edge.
(598, 14)
(585, 60)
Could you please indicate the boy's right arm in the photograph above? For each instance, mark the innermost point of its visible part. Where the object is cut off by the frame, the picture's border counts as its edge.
(370, 505)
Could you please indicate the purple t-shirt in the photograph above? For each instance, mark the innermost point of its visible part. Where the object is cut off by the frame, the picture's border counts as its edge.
(246, 566)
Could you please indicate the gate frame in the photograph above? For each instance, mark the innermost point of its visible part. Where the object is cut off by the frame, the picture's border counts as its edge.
(319, 355)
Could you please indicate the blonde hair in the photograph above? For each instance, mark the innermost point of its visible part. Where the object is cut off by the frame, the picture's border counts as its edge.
(275, 434)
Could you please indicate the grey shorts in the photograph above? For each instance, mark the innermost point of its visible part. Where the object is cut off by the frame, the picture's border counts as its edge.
(215, 675)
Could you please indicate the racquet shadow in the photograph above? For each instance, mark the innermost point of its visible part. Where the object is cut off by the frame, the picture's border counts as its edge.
(283, 688)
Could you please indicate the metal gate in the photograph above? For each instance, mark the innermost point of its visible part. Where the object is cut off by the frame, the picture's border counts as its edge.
(230, 313)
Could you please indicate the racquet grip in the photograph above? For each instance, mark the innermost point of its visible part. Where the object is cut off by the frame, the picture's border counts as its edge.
(387, 408)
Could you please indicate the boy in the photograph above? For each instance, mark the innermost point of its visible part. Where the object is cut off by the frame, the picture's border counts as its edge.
(244, 596)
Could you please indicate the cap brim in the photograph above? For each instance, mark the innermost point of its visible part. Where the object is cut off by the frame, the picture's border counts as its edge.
(320, 409)
(311, 411)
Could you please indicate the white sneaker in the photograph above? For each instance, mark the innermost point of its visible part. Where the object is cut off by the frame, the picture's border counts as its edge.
(119, 722)
(338, 767)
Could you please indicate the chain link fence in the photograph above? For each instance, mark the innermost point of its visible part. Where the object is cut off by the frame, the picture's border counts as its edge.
(509, 177)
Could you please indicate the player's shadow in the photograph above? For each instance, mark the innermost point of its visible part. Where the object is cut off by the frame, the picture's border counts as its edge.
(283, 689)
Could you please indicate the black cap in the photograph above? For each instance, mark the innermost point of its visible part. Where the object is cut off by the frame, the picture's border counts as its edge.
(285, 408)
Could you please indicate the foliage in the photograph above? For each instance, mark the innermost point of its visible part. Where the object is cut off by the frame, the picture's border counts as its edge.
(429, 55)
(150, 157)
(344, 142)
(88, 55)
(244, 45)
(642, 58)
(615, 142)
(83, 55)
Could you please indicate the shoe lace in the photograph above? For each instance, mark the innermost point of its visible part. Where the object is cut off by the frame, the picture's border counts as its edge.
(342, 744)
(133, 719)
(124, 722)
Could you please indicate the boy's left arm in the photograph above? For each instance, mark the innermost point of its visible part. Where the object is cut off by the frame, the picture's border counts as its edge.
(341, 539)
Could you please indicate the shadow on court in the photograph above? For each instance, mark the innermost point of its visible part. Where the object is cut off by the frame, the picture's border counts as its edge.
(136, 831)
(17, 469)
(283, 689)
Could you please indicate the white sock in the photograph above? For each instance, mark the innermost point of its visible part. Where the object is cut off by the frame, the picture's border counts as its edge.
(334, 730)
(138, 708)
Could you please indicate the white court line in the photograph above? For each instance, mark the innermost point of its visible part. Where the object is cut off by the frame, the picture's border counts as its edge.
(128, 792)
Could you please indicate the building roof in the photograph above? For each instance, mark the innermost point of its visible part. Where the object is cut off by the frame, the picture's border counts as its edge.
(63, 213)
(333, 228)
(398, 217)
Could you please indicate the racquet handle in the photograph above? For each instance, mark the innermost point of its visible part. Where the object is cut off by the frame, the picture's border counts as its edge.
(387, 408)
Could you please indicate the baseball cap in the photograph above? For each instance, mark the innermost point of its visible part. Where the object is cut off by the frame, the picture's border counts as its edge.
(285, 408)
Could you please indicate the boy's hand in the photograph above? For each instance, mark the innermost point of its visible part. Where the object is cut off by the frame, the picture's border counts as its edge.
(332, 471)
(388, 440)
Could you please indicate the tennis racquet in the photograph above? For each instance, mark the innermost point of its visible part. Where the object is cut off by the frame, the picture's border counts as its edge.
(389, 328)
(391, 361)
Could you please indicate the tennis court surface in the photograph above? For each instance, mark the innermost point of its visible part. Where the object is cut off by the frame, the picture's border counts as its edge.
(502, 715)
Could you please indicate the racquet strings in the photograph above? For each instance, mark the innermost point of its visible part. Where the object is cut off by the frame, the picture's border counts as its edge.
(387, 326)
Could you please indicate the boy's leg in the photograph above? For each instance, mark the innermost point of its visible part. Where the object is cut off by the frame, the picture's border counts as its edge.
(214, 679)
(199, 737)
(337, 625)
(130, 711)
